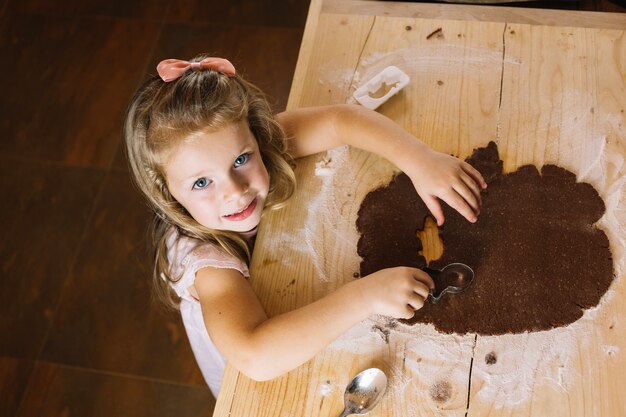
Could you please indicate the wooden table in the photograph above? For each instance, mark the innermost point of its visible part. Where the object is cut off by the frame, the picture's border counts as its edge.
(548, 87)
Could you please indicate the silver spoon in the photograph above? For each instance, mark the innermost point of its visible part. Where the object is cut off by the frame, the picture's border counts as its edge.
(453, 278)
(364, 392)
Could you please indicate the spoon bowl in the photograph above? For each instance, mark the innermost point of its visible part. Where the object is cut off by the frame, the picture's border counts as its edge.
(364, 392)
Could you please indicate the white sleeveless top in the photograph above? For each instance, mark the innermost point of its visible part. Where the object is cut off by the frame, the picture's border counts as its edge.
(187, 257)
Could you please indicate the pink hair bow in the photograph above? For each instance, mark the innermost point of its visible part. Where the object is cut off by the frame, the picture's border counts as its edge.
(171, 69)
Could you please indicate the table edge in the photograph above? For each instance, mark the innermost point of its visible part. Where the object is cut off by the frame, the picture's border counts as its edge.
(531, 16)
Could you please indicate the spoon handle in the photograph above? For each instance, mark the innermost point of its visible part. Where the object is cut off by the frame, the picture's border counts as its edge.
(344, 413)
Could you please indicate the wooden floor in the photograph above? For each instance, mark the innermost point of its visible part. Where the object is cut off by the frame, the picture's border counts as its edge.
(78, 333)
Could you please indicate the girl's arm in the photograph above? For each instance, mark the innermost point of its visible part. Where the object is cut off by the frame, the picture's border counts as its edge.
(435, 175)
(265, 348)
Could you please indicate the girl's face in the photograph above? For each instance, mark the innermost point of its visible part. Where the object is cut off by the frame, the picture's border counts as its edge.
(220, 178)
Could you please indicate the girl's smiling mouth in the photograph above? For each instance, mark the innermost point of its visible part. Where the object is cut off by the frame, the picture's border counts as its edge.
(244, 213)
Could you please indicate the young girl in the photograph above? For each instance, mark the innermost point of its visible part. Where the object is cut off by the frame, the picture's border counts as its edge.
(210, 158)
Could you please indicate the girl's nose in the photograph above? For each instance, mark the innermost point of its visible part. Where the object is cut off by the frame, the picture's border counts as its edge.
(234, 187)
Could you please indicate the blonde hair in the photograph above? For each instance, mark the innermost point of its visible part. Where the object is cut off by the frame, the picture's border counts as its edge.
(162, 114)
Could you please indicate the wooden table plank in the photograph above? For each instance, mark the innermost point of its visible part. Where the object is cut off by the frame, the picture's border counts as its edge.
(532, 88)
(332, 64)
(563, 104)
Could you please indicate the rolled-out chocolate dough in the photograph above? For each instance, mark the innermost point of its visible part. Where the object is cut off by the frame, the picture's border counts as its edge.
(538, 258)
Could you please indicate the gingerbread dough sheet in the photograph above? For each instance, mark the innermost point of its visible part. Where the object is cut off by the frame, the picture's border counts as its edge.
(538, 258)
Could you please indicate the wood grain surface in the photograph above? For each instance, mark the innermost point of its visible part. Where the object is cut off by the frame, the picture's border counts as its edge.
(546, 93)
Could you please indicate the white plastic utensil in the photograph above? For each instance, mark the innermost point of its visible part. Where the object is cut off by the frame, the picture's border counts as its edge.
(391, 77)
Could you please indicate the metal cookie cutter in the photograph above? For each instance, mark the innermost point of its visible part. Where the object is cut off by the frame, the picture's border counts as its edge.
(453, 278)
(374, 92)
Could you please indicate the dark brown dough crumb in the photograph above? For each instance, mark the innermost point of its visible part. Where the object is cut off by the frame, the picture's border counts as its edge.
(491, 358)
(538, 258)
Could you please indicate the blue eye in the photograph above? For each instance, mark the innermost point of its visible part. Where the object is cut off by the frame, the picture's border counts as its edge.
(242, 159)
(200, 183)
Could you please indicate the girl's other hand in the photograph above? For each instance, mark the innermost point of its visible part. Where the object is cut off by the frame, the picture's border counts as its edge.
(395, 292)
(437, 175)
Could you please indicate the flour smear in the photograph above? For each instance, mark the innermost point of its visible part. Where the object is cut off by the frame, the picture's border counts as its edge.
(417, 63)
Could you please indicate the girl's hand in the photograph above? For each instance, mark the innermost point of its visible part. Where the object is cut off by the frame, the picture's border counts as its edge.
(395, 292)
(436, 175)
